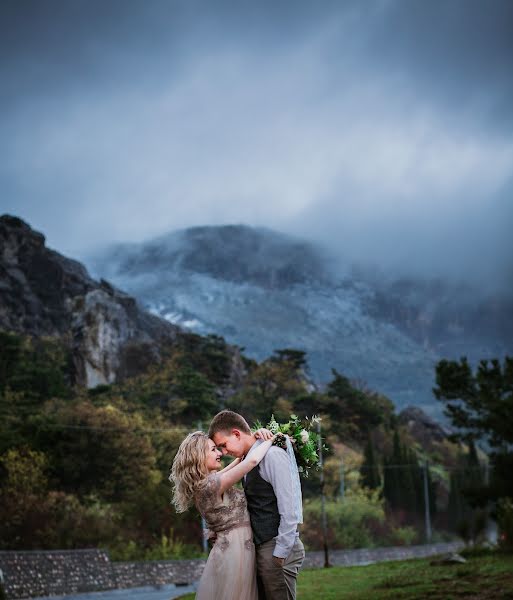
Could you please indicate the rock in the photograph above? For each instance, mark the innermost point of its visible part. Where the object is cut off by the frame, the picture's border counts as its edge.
(448, 559)
(421, 426)
(47, 294)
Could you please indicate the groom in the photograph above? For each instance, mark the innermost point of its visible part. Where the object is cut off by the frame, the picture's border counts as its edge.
(272, 503)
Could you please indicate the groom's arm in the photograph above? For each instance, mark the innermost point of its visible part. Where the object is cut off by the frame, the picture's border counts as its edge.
(275, 469)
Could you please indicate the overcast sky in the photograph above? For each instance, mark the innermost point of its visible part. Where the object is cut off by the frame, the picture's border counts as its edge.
(383, 128)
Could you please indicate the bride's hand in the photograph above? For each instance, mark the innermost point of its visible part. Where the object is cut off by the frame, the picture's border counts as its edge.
(263, 434)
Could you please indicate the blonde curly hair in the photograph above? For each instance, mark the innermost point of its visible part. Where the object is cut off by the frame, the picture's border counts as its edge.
(189, 470)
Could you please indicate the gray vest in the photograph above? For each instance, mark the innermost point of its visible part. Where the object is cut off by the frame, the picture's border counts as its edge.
(262, 506)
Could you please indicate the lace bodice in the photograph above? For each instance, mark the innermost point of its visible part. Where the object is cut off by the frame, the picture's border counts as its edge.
(221, 513)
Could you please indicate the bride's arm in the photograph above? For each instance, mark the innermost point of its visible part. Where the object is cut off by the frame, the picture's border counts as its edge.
(234, 463)
(228, 478)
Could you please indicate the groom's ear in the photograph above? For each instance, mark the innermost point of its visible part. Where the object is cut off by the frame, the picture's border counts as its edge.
(236, 433)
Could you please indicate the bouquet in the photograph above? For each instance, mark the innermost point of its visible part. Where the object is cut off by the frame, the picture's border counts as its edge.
(305, 441)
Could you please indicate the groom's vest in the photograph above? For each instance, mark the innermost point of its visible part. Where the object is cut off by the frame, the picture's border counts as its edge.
(262, 506)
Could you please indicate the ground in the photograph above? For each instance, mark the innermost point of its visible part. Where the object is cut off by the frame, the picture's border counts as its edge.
(485, 576)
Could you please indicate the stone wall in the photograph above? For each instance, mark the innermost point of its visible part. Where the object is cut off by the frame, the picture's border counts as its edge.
(60, 572)
(367, 556)
(43, 573)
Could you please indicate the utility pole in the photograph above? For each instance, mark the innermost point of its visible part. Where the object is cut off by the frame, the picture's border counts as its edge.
(426, 503)
(323, 500)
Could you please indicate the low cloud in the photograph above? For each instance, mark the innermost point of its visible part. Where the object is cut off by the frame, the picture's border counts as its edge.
(315, 135)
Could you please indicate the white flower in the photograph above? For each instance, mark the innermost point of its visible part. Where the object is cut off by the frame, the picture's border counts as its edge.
(305, 436)
(273, 425)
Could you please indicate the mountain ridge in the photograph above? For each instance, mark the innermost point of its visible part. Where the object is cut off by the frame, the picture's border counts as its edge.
(387, 334)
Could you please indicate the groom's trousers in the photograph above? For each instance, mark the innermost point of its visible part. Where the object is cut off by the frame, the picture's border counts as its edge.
(275, 582)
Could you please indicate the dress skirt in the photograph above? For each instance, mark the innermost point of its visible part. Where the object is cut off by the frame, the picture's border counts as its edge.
(230, 572)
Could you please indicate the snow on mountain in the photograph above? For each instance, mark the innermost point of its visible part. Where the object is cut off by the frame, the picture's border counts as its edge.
(263, 290)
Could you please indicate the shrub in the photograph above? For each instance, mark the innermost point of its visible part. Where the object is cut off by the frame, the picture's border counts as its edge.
(169, 547)
(403, 536)
(351, 521)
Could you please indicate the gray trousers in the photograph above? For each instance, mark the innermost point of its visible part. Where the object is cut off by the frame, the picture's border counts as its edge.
(275, 582)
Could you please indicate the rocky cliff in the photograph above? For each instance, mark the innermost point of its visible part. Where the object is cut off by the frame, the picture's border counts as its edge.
(43, 293)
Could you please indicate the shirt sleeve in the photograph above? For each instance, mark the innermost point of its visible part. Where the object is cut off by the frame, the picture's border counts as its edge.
(275, 469)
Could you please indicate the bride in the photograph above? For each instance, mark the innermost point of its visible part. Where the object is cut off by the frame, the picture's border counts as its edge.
(230, 572)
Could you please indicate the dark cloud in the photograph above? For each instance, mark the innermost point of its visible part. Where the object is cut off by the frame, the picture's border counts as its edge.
(381, 128)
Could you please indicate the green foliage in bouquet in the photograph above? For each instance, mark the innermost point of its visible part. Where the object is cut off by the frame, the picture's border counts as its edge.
(305, 441)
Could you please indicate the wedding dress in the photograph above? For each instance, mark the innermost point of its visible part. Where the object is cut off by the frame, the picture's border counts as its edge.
(230, 572)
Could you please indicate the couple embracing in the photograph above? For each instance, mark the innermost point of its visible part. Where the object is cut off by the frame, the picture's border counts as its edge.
(257, 552)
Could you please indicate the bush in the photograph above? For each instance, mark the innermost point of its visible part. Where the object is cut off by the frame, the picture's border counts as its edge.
(351, 521)
(403, 536)
(168, 548)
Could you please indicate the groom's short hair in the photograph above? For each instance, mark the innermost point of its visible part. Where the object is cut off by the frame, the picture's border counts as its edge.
(227, 420)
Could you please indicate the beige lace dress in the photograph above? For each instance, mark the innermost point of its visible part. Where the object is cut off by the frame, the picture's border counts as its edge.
(230, 572)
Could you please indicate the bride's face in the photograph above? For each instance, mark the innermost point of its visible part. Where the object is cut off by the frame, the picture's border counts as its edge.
(213, 460)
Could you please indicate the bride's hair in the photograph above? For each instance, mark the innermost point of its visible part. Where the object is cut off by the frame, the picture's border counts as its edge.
(189, 470)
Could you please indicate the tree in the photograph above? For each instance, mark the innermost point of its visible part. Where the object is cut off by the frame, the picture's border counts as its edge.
(296, 357)
(369, 469)
(465, 481)
(98, 451)
(354, 411)
(272, 387)
(403, 485)
(480, 406)
(31, 372)
(197, 394)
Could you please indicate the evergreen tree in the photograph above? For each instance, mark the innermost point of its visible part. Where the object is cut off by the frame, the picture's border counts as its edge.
(479, 403)
(403, 485)
(296, 357)
(465, 482)
(455, 507)
(391, 475)
(409, 481)
(369, 470)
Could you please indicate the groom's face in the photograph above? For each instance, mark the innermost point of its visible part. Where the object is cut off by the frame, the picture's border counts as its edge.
(230, 443)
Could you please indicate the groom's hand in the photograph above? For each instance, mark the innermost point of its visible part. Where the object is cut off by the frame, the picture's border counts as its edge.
(278, 561)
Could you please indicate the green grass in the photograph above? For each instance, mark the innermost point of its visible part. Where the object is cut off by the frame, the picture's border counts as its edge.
(485, 577)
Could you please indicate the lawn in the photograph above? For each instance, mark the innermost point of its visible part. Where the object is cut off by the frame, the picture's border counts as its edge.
(486, 576)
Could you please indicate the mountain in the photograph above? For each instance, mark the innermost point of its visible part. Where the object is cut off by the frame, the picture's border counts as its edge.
(263, 290)
(46, 294)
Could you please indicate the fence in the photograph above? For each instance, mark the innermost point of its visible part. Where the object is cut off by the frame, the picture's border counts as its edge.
(408, 504)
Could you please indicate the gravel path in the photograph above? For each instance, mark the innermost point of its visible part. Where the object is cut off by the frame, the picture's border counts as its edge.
(164, 592)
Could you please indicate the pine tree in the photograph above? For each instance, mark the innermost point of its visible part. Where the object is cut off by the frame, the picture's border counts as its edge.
(455, 505)
(369, 469)
(392, 485)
